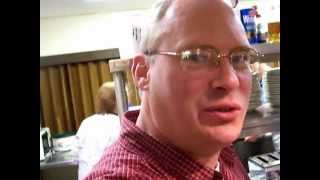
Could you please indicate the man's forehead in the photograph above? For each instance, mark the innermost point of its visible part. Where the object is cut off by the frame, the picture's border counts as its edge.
(213, 18)
(192, 4)
(192, 12)
(191, 7)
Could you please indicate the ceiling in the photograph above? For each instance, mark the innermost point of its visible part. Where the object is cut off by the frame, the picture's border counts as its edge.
(54, 8)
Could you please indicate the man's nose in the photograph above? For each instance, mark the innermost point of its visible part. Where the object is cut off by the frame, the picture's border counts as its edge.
(226, 77)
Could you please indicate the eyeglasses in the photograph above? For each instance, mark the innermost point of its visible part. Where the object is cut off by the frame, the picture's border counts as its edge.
(209, 57)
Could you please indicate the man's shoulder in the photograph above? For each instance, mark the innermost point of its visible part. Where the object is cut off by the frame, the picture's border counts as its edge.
(232, 163)
(126, 172)
(119, 163)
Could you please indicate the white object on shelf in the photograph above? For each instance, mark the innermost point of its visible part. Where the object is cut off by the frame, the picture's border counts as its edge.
(271, 86)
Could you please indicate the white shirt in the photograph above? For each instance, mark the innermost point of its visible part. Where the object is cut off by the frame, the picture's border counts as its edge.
(95, 133)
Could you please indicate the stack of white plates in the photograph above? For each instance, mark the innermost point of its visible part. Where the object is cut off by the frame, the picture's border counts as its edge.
(271, 86)
(255, 99)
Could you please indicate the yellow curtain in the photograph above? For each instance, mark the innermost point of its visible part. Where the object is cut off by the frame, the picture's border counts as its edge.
(67, 93)
(132, 91)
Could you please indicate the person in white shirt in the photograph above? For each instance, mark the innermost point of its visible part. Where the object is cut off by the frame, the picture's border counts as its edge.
(98, 131)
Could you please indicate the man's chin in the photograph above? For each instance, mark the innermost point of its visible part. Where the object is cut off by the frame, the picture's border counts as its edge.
(225, 138)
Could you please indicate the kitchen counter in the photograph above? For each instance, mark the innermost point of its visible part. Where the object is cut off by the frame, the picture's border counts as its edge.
(60, 159)
(256, 124)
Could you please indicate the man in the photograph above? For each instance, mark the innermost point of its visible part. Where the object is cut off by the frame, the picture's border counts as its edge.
(99, 130)
(195, 85)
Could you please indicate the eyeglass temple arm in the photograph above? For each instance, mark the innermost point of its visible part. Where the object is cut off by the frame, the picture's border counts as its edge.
(148, 52)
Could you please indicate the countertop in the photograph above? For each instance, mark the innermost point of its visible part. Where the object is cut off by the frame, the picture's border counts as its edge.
(60, 159)
(256, 124)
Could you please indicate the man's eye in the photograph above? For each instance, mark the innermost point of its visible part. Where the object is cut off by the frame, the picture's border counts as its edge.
(241, 58)
(238, 59)
(241, 61)
(189, 56)
(195, 57)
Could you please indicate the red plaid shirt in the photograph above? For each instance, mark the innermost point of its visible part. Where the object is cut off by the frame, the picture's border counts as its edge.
(136, 155)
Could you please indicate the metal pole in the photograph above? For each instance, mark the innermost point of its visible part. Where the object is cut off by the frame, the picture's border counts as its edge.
(118, 68)
(121, 96)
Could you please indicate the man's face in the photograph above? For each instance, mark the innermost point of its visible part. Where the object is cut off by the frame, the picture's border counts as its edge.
(193, 108)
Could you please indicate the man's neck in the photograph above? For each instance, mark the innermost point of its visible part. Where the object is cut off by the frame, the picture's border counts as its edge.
(207, 156)
(207, 161)
(144, 122)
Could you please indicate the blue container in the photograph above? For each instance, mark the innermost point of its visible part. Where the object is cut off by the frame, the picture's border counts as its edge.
(249, 24)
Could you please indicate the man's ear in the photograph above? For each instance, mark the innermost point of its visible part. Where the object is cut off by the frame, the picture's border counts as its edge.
(139, 71)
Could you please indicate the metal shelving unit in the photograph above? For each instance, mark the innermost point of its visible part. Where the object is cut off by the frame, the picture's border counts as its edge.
(271, 52)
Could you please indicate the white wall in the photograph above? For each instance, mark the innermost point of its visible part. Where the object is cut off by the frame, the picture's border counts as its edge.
(70, 34)
(60, 35)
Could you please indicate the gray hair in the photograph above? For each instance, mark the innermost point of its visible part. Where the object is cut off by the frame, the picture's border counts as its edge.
(153, 32)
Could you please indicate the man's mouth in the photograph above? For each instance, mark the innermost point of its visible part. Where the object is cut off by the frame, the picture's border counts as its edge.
(225, 109)
(223, 112)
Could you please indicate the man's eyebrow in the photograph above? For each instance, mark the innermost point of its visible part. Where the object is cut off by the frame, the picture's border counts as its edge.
(248, 48)
(195, 45)
(241, 48)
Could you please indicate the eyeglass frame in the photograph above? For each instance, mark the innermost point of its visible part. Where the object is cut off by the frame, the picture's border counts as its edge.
(219, 53)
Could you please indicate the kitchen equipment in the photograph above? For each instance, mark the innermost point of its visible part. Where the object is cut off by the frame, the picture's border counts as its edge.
(265, 166)
(45, 143)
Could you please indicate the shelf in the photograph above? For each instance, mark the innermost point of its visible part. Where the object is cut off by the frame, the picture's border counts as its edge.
(271, 52)
(79, 57)
(266, 48)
